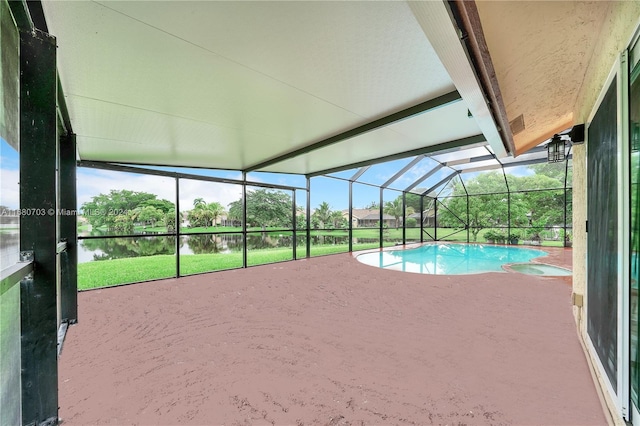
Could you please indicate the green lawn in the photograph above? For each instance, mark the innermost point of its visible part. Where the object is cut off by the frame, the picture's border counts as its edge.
(120, 271)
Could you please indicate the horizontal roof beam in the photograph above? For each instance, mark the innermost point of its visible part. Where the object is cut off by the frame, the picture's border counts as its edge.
(533, 161)
(153, 172)
(462, 161)
(491, 156)
(507, 165)
(365, 128)
(482, 168)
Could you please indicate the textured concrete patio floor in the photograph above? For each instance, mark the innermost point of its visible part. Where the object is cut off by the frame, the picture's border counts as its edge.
(329, 341)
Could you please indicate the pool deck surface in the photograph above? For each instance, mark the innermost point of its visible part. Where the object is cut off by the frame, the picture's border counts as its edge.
(329, 341)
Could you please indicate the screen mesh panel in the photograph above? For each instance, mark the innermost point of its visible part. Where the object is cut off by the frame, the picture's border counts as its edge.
(602, 238)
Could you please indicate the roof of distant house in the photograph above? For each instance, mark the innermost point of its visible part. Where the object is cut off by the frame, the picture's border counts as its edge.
(368, 214)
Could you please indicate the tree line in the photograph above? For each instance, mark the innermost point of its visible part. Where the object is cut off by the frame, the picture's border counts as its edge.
(482, 202)
(121, 210)
(485, 207)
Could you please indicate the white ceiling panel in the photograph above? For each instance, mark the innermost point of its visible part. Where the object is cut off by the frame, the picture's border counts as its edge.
(447, 123)
(434, 19)
(350, 54)
(229, 85)
(144, 130)
(428, 129)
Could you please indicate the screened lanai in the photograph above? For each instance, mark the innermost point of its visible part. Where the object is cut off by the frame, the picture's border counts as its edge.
(363, 130)
(465, 194)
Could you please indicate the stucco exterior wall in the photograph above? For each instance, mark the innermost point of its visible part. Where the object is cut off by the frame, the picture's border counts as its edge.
(620, 25)
(579, 219)
(623, 18)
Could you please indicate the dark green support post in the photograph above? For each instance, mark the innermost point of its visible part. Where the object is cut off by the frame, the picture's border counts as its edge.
(404, 218)
(244, 220)
(350, 216)
(308, 217)
(381, 224)
(422, 218)
(68, 229)
(435, 218)
(566, 172)
(177, 227)
(468, 219)
(295, 224)
(38, 227)
(506, 182)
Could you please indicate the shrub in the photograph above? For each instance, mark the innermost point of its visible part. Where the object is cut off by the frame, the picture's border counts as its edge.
(493, 235)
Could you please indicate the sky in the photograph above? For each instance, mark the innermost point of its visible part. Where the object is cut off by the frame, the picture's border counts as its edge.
(9, 175)
(92, 182)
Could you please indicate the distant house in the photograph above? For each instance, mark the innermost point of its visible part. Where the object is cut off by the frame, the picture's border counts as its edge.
(184, 219)
(428, 218)
(369, 218)
(224, 220)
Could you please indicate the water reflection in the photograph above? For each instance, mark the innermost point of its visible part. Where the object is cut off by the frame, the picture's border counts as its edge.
(148, 245)
(9, 247)
(200, 244)
(116, 248)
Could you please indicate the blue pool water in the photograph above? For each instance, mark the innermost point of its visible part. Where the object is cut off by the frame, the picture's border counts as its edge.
(450, 259)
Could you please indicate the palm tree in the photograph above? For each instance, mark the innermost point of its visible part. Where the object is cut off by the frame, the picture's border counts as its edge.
(135, 214)
(323, 213)
(235, 211)
(123, 223)
(214, 210)
(337, 218)
(199, 203)
(394, 208)
(198, 216)
(170, 220)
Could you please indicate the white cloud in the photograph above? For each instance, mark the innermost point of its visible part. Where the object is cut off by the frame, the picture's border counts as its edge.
(92, 182)
(519, 171)
(209, 191)
(9, 188)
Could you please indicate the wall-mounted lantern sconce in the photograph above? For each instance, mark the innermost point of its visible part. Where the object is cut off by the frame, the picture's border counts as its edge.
(555, 150)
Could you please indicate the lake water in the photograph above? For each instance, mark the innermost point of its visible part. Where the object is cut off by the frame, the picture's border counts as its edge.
(9, 248)
(149, 245)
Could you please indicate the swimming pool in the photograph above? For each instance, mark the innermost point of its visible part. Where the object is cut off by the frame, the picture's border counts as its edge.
(450, 259)
(540, 269)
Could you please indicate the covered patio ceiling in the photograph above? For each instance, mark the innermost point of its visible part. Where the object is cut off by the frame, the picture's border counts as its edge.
(304, 87)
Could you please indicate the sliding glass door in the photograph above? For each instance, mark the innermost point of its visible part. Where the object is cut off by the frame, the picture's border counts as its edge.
(634, 169)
